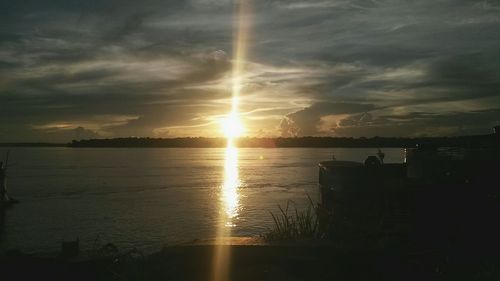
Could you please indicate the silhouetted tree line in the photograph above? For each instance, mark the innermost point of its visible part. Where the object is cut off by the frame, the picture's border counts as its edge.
(31, 144)
(151, 142)
(460, 141)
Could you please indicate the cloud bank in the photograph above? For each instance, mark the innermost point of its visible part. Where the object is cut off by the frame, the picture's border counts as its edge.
(79, 69)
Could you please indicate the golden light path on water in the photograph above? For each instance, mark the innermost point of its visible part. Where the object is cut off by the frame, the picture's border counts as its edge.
(233, 128)
(229, 190)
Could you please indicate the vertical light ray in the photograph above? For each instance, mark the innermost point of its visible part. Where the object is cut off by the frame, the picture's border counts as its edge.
(241, 37)
(229, 198)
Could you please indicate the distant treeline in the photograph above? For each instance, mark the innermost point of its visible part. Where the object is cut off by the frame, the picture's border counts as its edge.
(462, 141)
(32, 144)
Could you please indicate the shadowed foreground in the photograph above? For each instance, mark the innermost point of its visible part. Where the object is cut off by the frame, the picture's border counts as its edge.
(255, 260)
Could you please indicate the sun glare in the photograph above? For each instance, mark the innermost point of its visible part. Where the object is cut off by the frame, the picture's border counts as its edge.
(232, 127)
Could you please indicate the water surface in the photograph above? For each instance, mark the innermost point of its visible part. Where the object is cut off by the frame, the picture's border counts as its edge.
(149, 197)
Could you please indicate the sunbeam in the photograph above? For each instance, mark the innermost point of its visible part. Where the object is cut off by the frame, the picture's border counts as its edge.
(232, 128)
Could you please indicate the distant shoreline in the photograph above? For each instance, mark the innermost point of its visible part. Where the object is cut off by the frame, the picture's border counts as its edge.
(33, 144)
(296, 142)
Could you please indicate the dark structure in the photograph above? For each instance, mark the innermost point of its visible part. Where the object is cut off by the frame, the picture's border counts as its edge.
(5, 199)
(443, 198)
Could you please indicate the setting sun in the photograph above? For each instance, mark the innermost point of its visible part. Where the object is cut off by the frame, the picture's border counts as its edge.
(232, 126)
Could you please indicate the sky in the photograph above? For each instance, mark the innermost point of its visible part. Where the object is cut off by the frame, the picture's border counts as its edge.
(155, 68)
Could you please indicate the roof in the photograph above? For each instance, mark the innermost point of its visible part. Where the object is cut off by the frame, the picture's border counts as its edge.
(343, 164)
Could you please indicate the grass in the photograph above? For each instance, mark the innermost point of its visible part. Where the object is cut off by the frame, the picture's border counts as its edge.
(294, 225)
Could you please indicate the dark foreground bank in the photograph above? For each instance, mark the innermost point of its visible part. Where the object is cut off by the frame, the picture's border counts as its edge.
(261, 261)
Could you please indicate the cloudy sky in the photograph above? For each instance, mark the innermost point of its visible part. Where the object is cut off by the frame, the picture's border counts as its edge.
(80, 69)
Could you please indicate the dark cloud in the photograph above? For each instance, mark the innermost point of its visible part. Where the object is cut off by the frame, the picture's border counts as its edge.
(305, 122)
(119, 68)
(417, 124)
(356, 120)
(81, 133)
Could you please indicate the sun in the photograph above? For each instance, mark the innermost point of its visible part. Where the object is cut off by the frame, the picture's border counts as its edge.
(232, 127)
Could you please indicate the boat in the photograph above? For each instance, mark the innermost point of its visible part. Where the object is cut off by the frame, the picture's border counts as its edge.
(435, 194)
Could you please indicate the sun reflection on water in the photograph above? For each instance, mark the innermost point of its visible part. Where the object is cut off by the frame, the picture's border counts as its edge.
(228, 209)
(229, 190)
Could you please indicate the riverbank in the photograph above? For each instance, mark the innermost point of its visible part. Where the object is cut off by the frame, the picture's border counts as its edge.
(256, 259)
